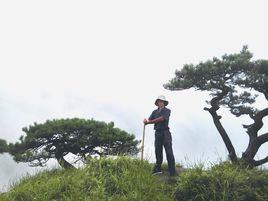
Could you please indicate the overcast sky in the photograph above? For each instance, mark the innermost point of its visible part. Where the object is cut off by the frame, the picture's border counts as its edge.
(108, 60)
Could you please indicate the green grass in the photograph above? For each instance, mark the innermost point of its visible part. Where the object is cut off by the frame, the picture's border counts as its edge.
(105, 179)
(223, 182)
(126, 179)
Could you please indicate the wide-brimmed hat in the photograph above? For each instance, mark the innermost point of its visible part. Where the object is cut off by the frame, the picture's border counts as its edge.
(162, 98)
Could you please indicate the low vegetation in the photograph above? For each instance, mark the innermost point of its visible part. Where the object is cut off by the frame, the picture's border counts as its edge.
(223, 182)
(126, 179)
(122, 179)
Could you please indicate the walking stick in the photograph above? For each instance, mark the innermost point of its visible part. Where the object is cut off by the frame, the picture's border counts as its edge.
(142, 143)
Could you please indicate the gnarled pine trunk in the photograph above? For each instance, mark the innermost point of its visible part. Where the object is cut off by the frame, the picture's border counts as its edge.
(216, 119)
(255, 140)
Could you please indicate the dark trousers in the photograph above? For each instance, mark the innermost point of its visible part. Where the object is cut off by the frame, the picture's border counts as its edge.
(163, 138)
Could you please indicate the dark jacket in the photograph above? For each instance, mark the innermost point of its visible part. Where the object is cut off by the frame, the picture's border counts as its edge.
(165, 113)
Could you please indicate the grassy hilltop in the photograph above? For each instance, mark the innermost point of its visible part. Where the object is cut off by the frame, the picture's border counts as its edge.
(125, 179)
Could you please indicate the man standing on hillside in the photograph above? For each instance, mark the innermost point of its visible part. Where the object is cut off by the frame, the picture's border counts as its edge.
(160, 119)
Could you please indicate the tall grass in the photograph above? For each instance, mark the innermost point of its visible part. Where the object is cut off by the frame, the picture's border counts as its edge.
(223, 182)
(121, 179)
(126, 179)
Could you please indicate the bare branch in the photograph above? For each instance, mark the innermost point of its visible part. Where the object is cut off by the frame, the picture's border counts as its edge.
(260, 162)
(253, 129)
(262, 138)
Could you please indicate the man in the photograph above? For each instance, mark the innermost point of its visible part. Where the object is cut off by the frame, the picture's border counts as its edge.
(160, 119)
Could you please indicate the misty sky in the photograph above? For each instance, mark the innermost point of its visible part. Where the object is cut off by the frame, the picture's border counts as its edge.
(108, 60)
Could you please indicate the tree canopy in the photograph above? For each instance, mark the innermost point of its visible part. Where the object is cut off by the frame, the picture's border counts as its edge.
(3, 146)
(235, 81)
(81, 137)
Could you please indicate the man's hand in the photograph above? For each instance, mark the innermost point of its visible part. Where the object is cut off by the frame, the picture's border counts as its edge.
(153, 121)
(146, 121)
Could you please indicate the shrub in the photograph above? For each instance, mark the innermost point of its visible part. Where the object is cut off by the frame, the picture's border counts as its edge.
(223, 182)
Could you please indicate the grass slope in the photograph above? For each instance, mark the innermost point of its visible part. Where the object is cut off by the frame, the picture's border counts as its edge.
(126, 179)
(105, 179)
(223, 182)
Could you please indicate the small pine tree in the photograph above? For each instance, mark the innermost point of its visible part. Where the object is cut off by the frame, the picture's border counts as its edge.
(57, 138)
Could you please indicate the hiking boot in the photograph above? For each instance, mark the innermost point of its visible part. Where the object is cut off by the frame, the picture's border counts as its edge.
(172, 174)
(156, 171)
